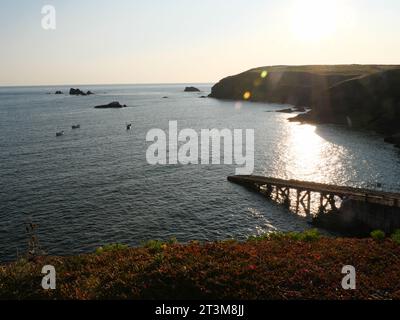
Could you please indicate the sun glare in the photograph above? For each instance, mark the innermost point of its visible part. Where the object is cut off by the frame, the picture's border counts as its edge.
(314, 20)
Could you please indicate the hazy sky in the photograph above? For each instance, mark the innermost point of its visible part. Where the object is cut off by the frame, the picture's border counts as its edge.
(183, 41)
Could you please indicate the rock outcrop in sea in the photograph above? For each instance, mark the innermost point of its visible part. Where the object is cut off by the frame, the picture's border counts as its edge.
(79, 92)
(288, 110)
(191, 89)
(111, 105)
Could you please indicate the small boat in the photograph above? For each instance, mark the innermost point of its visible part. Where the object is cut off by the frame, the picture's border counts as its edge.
(76, 126)
(59, 134)
(129, 126)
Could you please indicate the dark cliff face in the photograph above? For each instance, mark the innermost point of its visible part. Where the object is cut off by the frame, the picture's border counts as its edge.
(297, 88)
(361, 96)
(369, 102)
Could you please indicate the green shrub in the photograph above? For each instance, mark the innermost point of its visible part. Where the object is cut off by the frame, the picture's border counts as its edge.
(111, 247)
(378, 235)
(154, 245)
(229, 241)
(172, 240)
(276, 235)
(297, 236)
(308, 235)
(396, 236)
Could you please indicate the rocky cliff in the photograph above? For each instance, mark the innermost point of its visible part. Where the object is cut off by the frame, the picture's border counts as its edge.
(360, 96)
(368, 102)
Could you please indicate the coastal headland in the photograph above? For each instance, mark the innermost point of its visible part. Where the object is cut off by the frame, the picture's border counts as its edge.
(357, 96)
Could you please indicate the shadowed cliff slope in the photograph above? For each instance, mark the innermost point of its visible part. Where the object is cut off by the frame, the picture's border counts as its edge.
(360, 96)
(368, 102)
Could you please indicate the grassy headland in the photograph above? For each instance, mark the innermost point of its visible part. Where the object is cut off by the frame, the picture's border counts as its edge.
(281, 266)
(359, 96)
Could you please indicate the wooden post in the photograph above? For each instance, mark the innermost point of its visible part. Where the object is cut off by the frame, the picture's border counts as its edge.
(332, 202)
(286, 200)
(321, 209)
(269, 191)
(297, 200)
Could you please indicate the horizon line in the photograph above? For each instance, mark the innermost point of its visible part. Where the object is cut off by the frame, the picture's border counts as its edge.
(198, 83)
(105, 84)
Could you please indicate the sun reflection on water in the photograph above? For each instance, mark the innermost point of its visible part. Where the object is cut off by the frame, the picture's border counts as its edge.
(304, 154)
(309, 156)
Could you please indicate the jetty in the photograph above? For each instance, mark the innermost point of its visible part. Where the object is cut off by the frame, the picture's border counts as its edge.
(302, 193)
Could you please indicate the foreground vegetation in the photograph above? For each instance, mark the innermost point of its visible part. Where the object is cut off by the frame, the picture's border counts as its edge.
(278, 266)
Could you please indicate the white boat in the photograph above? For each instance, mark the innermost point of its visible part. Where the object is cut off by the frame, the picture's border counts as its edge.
(76, 126)
(59, 134)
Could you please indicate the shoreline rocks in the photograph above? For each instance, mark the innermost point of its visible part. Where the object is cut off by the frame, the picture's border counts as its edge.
(335, 221)
(359, 218)
(111, 105)
(300, 109)
(288, 110)
(303, 118)
(393, 139)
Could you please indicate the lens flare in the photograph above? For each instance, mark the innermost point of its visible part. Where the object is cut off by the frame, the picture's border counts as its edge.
(247, 95)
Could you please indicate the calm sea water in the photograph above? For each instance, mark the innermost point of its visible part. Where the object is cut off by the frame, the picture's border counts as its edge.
(93, 186)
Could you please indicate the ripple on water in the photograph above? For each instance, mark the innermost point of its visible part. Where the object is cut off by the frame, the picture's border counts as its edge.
(93, 185)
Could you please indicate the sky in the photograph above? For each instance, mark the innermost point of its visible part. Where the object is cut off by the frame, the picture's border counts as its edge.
(181, 41)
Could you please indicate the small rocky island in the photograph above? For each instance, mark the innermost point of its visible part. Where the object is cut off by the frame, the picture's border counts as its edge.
(111, 105)
(291, 110)
(79, 92)
(288, 110)
(191, 89)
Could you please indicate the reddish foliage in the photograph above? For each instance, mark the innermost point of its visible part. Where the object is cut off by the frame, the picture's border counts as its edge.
(268, 269)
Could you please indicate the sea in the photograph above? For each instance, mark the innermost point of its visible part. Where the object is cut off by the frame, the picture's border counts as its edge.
(94, 185)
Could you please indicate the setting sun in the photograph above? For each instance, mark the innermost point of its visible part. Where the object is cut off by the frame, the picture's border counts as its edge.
(313, 20)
